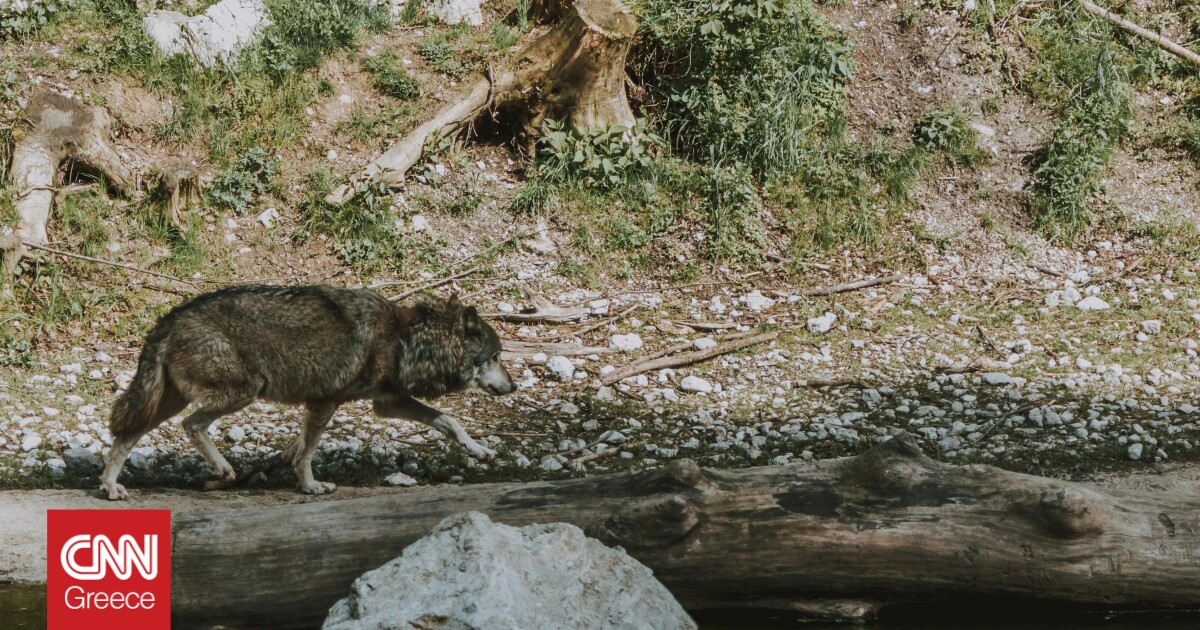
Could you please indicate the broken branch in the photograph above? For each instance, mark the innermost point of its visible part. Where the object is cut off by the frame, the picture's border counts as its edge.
(851, 286)
(687, 359)
(1163, 42)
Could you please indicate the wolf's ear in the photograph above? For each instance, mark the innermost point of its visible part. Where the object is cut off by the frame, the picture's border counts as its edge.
(471, 321)
(453, 298)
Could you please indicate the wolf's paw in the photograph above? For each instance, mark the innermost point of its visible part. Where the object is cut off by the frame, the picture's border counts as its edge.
(225, 472)
(483, 453)
(318, 487)
(114, 491)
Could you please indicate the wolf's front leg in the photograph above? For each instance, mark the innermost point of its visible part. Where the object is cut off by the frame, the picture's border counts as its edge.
(411, 409)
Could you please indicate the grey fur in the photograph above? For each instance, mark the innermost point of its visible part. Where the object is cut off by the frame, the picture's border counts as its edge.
(319, 346)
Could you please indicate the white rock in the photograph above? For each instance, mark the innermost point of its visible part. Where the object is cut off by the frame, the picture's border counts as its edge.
(268, 217)
(420, 223)
(469, 572)
(1135, 450)
(1168, 295)
(561, 367)
(456, 11)
(695, 384)
(235, 434)
(756, 301)
(30, 442)
(996, 378)
(400, 479)
(550, 463)
(1152, 326)
(625, 343)
(215, 36)
(1092, 303)
(822, 324)
(704, 343)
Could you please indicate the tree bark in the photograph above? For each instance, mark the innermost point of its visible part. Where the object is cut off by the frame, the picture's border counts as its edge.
(574, 72)
(57, 131)
(839, 537)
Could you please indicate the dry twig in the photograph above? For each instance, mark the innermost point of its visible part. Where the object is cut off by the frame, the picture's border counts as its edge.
(687, 359)
(851, 286)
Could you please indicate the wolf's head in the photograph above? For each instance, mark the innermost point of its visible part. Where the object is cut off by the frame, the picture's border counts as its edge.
(451, 348)
(481, 367)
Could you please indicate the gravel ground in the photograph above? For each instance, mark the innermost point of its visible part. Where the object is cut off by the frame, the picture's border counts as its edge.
(1090, 369)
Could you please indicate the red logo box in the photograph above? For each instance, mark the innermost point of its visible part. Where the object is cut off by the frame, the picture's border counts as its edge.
(108, 569)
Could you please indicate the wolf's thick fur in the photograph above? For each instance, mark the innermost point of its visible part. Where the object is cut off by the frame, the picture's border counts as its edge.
(317, 345)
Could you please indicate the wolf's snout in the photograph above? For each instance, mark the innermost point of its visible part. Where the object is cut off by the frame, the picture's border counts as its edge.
(496, 380)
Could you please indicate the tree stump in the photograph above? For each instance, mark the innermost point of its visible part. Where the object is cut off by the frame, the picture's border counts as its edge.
(575, 73)
(58, 134)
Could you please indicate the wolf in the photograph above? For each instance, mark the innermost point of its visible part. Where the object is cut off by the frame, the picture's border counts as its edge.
(319, 346)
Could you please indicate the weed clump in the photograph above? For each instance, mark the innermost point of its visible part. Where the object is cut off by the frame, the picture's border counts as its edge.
(239, 187)
(363, 231)
(948, 132)
(1089, 82)
(389, 77)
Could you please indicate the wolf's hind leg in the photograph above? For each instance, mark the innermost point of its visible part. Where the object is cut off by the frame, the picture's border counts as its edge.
(196, 426)
(113, 463)
(306, 445)
(412, 409)
(172, 402)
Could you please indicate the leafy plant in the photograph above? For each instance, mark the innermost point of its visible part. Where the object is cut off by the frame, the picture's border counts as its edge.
(239, 187)
(389, 76)
(760, 80)
(604, 157)
(363, 230)
(732, 227)
(948, 132)
(1090, 82)
(21, 18)
(303, 32)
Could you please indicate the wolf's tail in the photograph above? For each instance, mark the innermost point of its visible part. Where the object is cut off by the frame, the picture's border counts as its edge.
(136, 411)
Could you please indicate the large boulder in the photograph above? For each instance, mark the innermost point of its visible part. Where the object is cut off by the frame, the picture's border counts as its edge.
(215, 36)
(469, 572)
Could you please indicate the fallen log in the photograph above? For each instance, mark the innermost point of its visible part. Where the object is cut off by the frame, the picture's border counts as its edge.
(853, 535)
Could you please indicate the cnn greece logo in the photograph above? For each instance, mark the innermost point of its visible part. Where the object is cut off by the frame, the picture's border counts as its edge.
(122, 557)
(108, 569)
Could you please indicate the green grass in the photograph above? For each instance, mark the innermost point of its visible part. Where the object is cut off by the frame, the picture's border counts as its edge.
(948, 132)
(1086, 78)
(363, 230)
(389, 76)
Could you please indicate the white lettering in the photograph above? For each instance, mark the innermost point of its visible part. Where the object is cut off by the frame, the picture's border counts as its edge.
(121, 558)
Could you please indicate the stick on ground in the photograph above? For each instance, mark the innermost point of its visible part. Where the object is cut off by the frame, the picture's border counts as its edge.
(687, 359)
(1163, 42)
(435, 283)
(851, 286)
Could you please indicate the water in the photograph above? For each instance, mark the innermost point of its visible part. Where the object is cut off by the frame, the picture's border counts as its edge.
(24, 608)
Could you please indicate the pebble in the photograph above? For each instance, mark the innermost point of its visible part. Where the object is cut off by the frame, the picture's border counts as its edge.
(695, 384)
(704, 343)
(1135, 450)
(1092, 303)
(400, 479)
(625, 343)
(561, 367)
(822, 324)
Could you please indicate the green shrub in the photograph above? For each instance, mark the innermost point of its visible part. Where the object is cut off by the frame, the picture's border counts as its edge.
(603, 157)
(757, 79)
(1089, 81)
(389, 76)
(949, 132)
(239, 187)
